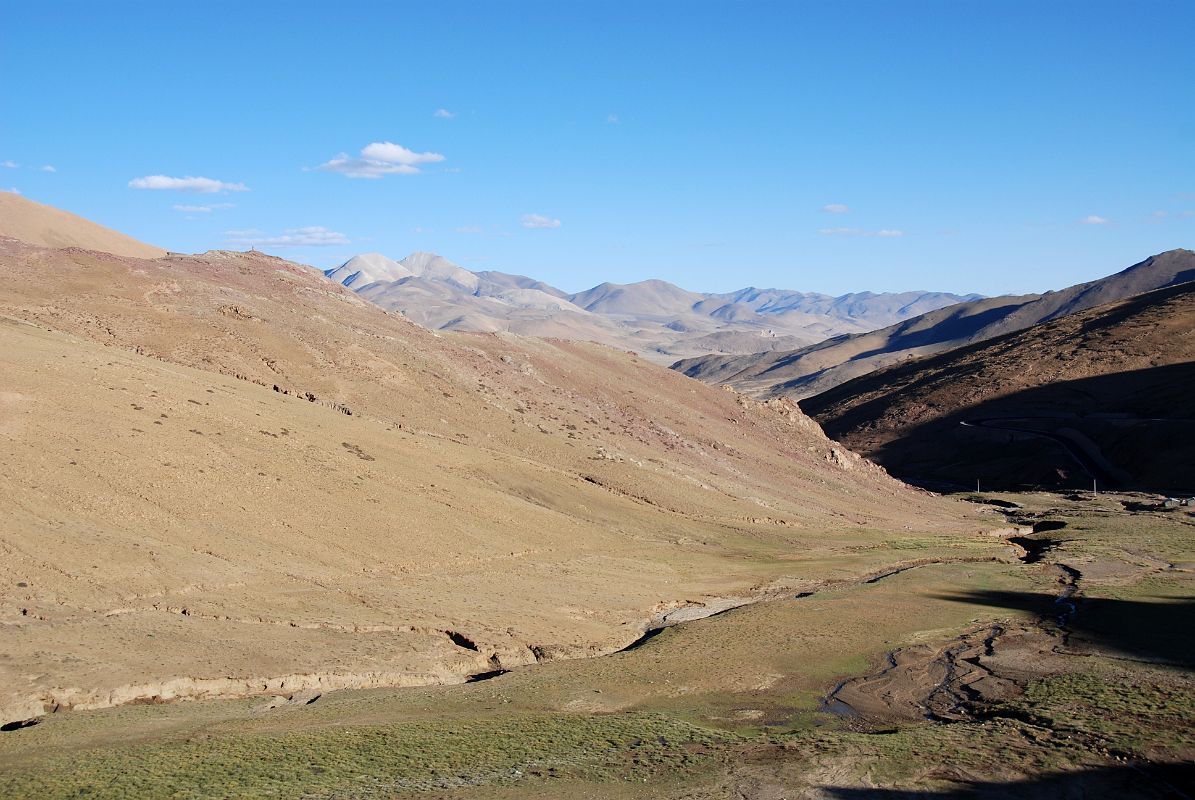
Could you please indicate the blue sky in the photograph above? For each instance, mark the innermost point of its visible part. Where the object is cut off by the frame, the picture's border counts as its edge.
(838, 146)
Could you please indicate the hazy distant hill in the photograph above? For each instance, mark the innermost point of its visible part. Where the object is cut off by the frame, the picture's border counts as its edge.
(813, 369)
(1106, 393)
(43, 225)
(656, 318)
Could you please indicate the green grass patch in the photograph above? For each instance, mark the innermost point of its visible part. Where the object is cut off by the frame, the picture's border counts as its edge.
(376, 761)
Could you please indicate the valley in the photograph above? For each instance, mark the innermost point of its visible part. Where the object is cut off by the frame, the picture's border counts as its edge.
(201, 504)
(399, 529)
(1011, 664)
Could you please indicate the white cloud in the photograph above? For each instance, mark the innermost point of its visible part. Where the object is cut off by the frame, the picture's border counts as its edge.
(203, 209)
(11, 190)
(313, 236)
(48, 168)
(539, 221)
(473, 229)
(835, 208)
(1092, 219)
(612, 119)
(443, 113)
(9, 164)
(187, 184)
(391, 153)
(362, 168)
(379, 159)
(885, 233)
(1161, 214)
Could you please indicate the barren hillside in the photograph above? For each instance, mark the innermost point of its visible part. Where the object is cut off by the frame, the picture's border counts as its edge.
(817, 368)
(224, 474)
(21, 218)
(1107, 393)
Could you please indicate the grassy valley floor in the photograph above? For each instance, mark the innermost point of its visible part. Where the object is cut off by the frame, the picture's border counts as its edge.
(1069, 674)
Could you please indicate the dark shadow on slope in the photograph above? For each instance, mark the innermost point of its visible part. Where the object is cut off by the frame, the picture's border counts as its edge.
(1155, 631)
(952, 327)
(1131, 429)
(940, 327)
(1145, 782)
(1061, 434)
(916, 374)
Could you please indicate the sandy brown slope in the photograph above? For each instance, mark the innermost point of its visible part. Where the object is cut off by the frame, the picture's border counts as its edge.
(189, 508)
(21, 218)
(820, 367)
(1107, 393)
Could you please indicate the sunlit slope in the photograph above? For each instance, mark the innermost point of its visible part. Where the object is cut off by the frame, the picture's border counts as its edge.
(225, 475)
(21, 218)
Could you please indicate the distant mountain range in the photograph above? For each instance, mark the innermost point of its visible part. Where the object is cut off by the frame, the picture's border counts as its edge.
(655, 318)
(808, 371)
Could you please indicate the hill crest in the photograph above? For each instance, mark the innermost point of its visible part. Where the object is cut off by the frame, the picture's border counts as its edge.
(808, 371)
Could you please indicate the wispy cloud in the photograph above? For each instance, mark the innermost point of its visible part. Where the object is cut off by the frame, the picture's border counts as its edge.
(883, 233)
(188, 184)
(313, 236)
(539, 221)
(475, 230)
(379, 159)
(207, 209)
(443, 113)
(836, 208)
(10, 164)
(11, 190)
(1093, 219)
(612, 119)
